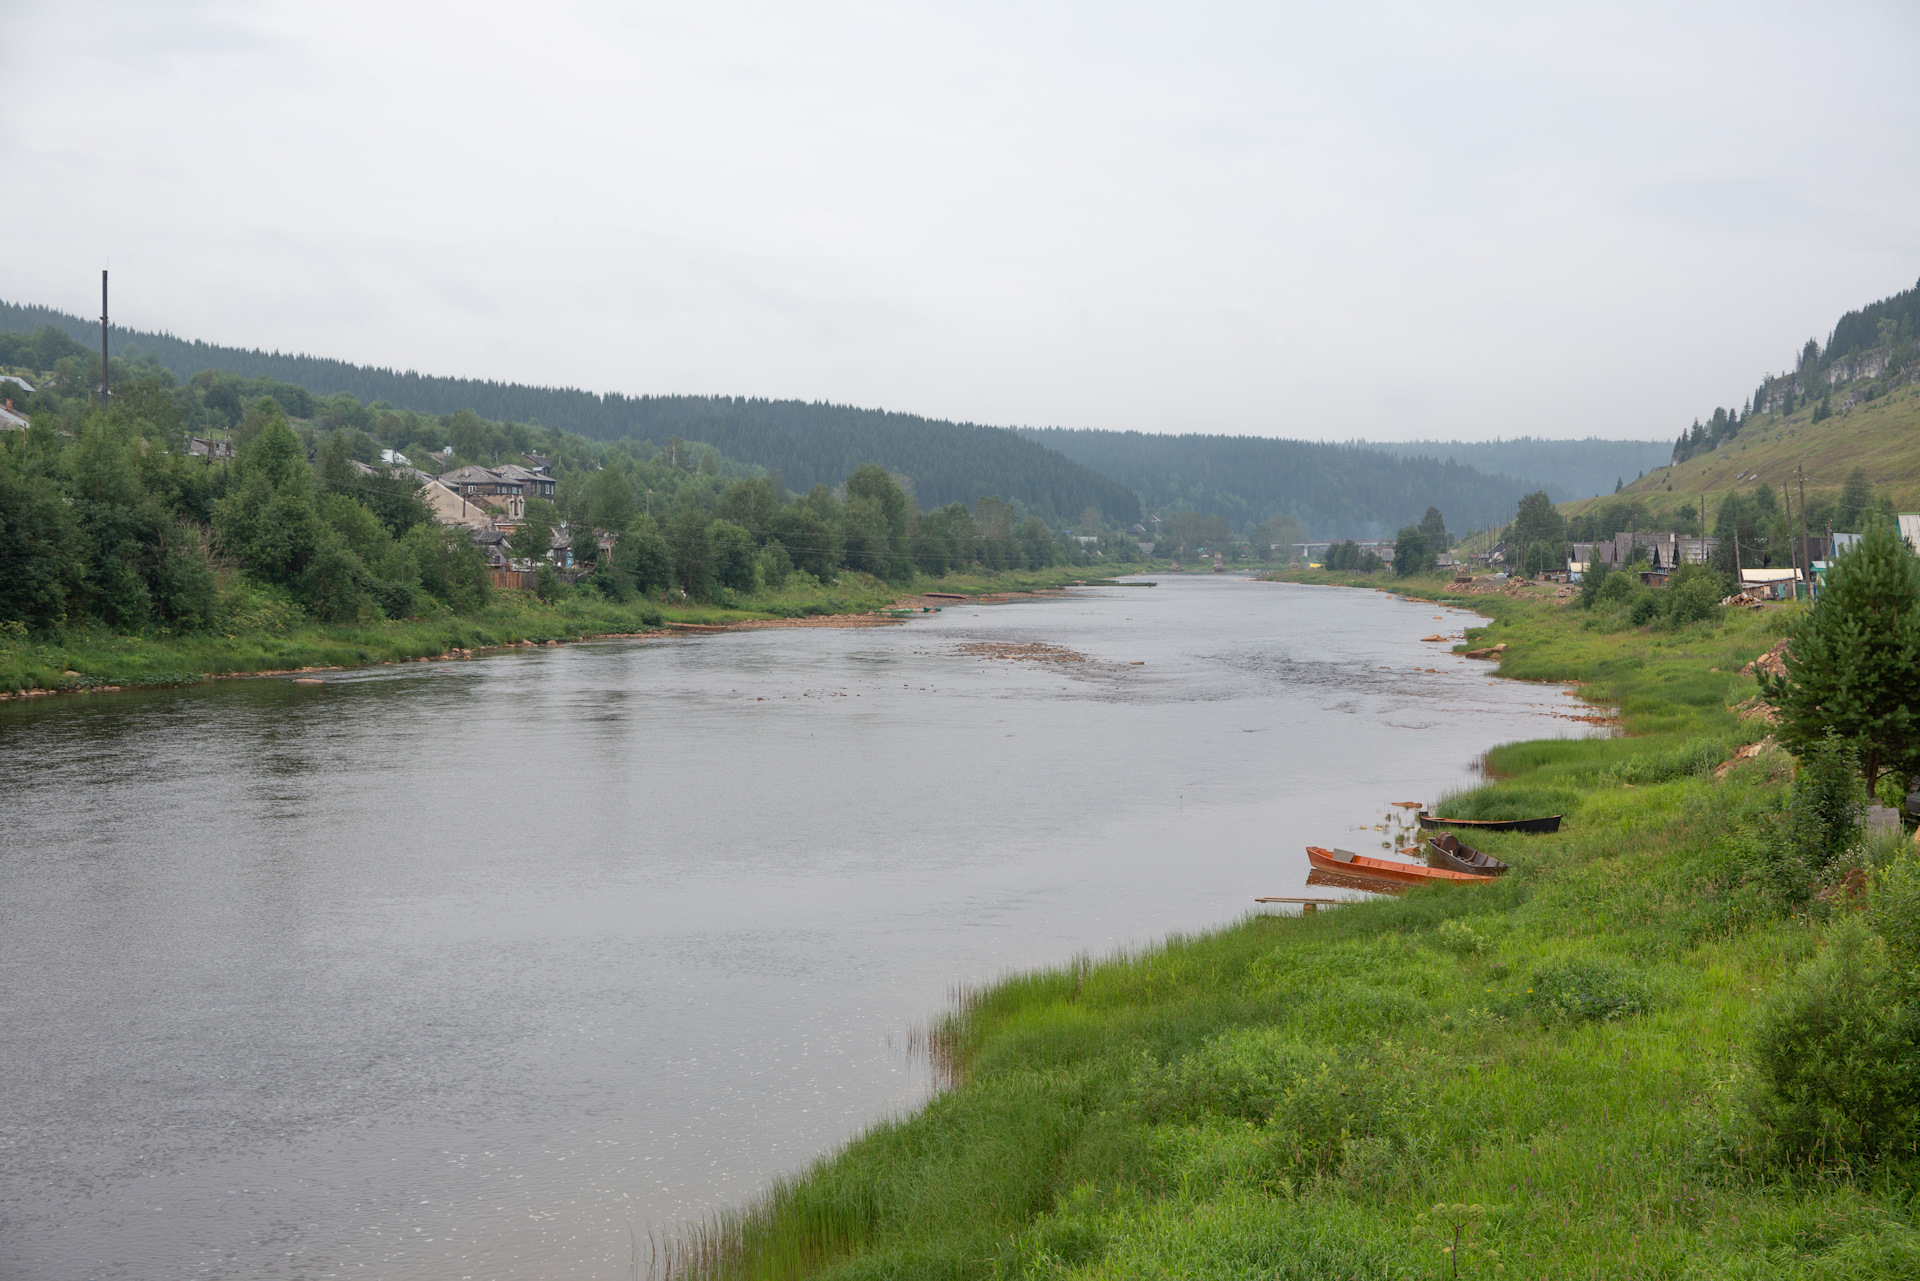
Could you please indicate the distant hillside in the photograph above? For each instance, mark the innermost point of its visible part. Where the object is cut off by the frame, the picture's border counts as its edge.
(806, 443)
(1566, 469)
(1336, 491)
(1852, 404)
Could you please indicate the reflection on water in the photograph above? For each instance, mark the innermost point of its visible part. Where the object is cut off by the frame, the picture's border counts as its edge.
(467, 969)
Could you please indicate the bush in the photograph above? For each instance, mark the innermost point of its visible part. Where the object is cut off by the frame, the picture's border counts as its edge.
(1586, 990)
(1461, 939)
(1645, 608)
(1693, 595)
(1838, 1062)
(1593, 581)
(1823, 820)
(733, 556)
(1614, 588)
(334, 585)
(776, 567)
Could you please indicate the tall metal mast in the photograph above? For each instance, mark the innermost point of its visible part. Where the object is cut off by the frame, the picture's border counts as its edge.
(103, 337)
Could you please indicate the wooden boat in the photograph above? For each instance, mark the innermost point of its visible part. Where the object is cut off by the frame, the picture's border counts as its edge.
(1449, 851)
(1347, 863)
(1551, 823)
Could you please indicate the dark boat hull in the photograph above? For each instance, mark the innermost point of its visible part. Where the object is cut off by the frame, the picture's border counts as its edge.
(1449, 851)
(1551, 823)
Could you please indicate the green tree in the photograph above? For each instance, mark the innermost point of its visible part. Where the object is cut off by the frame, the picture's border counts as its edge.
(610, 499)
(1411, 553)
(775, 565)
(752, 504)
(1592, 581)
(1433, 527)
(1537, 521)
(733, 559)
(876, 523)
(1856, 497)
(1036, 543)
(692, 548)
(583, 547)
(643, 557)
(267, 518)
(533, 540)
(451, 568)
(810, 532)
(1853, 659)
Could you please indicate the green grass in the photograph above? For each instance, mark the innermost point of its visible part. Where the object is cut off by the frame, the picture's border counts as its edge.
(281, 640)
(1565, 1049)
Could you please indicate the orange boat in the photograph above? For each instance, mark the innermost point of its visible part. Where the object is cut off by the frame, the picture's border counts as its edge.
(1347, 863)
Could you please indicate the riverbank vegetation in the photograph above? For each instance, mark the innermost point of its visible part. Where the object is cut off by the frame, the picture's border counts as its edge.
(1677, 1040)
(207, 527)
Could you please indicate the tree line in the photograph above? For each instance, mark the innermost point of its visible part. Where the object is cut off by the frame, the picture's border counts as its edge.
(807, 442)
(108, 519)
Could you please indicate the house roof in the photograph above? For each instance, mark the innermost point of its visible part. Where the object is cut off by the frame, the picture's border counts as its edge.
(12, 419)
(1769, 575)
(471, 474)
(451, 509)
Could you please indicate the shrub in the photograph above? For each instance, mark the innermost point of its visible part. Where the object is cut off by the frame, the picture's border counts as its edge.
(1586, 990)
(1593, 581)
(1645, 608)
(1614, 588)
(334, 585)
(1693, 595)
(1837, 1056)
(776, 567)
(1823, 820)
(1895, 912)
(1461, 939)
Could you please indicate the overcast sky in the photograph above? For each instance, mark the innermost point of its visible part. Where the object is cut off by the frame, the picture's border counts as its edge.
(1390, 221)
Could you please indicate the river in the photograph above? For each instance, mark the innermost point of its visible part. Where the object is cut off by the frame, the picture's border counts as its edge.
(480, 969)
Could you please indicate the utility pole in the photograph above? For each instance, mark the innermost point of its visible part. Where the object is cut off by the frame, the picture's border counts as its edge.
(1787, 495)
(103, 338)
(1803, 528)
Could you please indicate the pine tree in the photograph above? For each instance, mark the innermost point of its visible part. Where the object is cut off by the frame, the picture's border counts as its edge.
(1853, 660)
(1856, 495)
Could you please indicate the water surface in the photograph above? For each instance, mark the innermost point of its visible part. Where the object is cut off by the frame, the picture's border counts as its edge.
(477, 969)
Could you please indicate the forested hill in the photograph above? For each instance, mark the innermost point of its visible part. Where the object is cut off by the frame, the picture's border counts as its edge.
(1334, 491)
(1566, 469)
(806, 443)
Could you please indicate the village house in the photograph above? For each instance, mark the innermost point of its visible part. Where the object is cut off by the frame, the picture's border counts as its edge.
(533, 484)
(487, 487)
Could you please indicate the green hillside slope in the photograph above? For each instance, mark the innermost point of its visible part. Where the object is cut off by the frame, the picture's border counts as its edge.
(1881, 436)
(807, 443)
(1853, 404)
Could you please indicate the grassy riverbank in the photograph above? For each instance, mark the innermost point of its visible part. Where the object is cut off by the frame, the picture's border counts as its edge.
(1561, 1060)
(282, 639)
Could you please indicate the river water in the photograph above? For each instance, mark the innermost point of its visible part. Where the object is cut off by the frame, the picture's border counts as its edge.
(480, 969)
